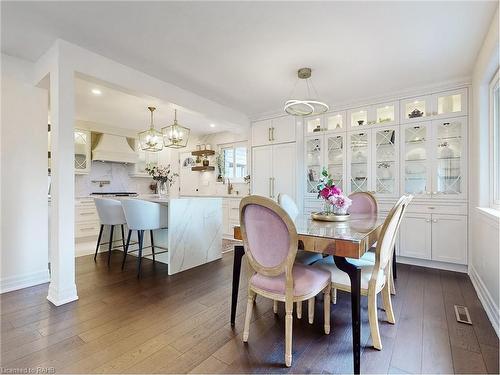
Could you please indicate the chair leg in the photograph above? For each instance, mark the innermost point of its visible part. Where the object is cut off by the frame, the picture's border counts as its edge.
(373, 319)
(334, 295)
(123, 238)
(255, 298)
(390, 280)
(98, 242)
(275, 307)
(310, 310)
(110, 243)
(386, 298)
(248, 315)
(126, 248)
(152, 245)
(288, 332)
(326, 308)
(299, 310)
(140, 235)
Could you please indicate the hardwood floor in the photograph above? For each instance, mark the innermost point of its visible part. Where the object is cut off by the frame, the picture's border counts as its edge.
(180, 324)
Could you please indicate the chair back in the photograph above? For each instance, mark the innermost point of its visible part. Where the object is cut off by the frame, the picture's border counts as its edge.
(142, 215)
(387, 239)
(287, 203)
(269, 236)
(362, 203)
(110, 211)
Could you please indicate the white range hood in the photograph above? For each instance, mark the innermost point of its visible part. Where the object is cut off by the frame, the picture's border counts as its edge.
(114, 148)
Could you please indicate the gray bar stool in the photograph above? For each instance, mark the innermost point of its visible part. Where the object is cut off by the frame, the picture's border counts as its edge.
(110, 213)
(141, 216)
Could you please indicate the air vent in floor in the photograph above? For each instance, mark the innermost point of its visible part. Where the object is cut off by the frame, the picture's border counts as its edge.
(462, 314)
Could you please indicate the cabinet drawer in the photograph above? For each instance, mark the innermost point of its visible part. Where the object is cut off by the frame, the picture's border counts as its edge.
(86, 214)
(431, 208)
(87, 229)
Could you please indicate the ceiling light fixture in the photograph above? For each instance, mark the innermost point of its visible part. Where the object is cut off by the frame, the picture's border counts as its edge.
(151, 139)
(96, 92)
(212, 125)
(309, 105)
(175, 135)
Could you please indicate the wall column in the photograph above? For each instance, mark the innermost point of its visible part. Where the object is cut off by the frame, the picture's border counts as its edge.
(62, 288)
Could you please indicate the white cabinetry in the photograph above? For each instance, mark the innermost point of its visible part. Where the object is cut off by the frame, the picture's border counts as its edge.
(383, 114)
(86, 219)
(373, 161)
(439, 237)
(230, 215)
(82, 142)
(273, 170)
(272, 131)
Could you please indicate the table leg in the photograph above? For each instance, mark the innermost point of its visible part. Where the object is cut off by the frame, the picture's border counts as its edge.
(239, 251)
(355, 277)
(394, 273)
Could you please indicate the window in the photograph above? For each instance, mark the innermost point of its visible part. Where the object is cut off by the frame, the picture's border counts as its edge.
(235, 161)
(495, 141)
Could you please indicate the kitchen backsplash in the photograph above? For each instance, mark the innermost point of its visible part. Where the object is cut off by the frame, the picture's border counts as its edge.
(118, 176)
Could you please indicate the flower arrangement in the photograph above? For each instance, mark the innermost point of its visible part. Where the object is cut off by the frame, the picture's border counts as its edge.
(161, 173)
(335, 201)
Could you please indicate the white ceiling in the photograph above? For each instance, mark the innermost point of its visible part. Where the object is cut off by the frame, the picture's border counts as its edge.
(245, 54)
(123, 110)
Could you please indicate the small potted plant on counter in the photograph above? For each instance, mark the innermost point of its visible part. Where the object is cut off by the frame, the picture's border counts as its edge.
(163, 176)
(335, 203)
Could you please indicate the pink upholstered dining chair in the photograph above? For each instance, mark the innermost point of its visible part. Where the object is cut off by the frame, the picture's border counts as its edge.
(270, 240)
(363, 203)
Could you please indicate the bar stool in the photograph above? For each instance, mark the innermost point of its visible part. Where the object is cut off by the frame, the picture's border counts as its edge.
(141, 216)
(110, 213)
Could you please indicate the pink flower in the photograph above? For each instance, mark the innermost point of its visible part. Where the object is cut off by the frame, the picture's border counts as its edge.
(325, 193)
(335, 190)
(340, 201)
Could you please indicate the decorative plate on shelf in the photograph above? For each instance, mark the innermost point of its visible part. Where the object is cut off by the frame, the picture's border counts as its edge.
(320, 216)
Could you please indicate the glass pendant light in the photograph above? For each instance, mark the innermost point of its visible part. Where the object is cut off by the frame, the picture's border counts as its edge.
(151, 139)
(308, 105)
(175, 135)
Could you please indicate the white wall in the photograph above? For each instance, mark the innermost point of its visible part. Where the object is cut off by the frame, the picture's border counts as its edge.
(24, 211)
(484, 227)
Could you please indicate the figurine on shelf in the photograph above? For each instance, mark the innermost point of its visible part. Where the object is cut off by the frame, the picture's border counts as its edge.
(415, 113)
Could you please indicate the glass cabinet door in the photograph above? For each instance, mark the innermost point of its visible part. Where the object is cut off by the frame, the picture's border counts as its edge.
(451, 103)
(313, 125)
(449, 166)
(358, 161)
(358, 117)
(335, 158)
(386, 166)
(314, 163)
(385, 113)
(415, 109)
(415, 153)
(82, 151)
(335, 121)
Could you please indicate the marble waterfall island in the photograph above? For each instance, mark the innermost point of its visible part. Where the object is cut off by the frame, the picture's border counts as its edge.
(194, 232)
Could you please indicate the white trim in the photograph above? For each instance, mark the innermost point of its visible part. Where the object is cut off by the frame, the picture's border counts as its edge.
(493, 147)
(490, 214)
(432, 264)
(9, 284)
(61, 296)
(487, 301)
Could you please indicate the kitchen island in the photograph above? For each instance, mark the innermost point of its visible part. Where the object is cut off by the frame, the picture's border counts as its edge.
(192, 234)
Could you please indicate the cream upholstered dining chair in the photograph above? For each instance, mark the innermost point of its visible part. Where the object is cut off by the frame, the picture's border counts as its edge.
(305, 257)
(374, 276)
(270, 241)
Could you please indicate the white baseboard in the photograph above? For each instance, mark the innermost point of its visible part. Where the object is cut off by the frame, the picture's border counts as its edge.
(487, 301)
(432, 264)
(61, 296)
(9, 284)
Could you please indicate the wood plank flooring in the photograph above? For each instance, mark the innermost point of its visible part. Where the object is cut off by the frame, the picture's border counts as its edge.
(180, 324)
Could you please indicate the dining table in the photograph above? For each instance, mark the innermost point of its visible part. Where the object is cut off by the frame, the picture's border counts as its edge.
(343, 240)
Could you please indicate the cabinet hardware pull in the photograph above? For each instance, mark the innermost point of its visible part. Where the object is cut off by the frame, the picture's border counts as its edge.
(86, 213)
(431, 208)
(434, 193)
(272, 134)
(427, 220)
(269, 134)
(270, 182)
(86, 228)
(434, 220)
(273, 183)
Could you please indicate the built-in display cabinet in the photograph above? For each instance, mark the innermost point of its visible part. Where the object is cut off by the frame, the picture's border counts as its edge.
(82, 142)
(415, 145)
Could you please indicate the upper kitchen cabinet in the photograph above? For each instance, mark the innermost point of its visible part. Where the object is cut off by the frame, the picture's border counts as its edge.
(144, 158)
(331, 122)
(444, 104)
(272, 131)
(82, 143)
(382, 114)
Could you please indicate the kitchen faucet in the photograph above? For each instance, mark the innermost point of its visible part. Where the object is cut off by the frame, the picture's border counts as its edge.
(229, 186)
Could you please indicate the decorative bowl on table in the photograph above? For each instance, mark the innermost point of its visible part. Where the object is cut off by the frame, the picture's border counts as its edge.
(323, 216)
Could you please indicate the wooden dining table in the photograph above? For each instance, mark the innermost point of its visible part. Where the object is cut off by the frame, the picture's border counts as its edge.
(342, 240)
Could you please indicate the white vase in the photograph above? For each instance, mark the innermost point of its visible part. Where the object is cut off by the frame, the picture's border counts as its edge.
(340, 210)
(162, 189)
